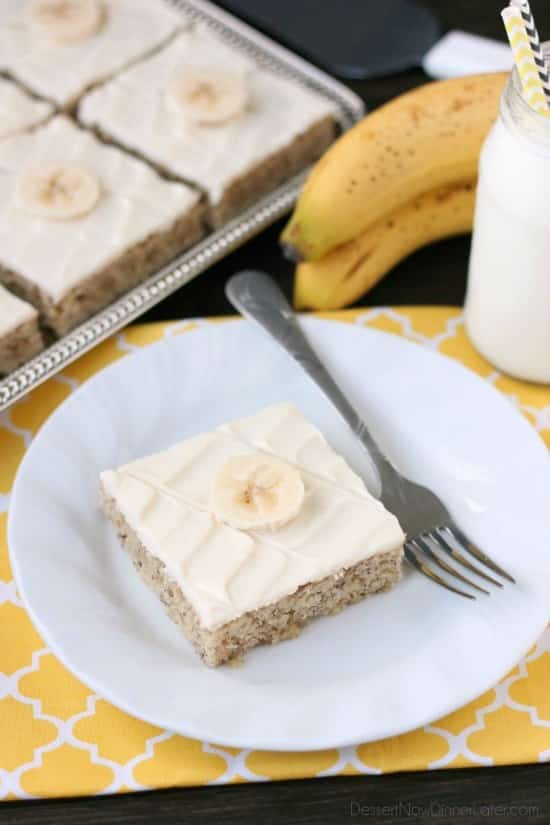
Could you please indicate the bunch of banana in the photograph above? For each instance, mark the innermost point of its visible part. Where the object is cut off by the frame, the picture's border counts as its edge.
(401, 178)
(344, 274)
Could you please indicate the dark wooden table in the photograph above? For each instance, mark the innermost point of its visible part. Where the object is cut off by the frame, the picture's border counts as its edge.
(507, 795)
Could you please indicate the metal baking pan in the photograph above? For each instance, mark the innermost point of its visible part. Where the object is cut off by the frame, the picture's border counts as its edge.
(216, 245)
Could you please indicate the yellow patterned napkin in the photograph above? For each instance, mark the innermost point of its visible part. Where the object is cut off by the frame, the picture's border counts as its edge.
(58, 738)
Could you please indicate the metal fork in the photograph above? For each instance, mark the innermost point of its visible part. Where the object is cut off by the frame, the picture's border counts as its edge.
(435, 538)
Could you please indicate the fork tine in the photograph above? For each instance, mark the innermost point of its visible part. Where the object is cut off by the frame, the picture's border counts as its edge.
(448, 568)
(412, 558)
(442, 542)
(478, 554)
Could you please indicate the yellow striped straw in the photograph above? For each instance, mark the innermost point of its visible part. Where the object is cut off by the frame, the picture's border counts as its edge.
(524, 57)
(534, 39)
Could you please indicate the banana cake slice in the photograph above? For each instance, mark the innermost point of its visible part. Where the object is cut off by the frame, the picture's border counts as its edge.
(81, 222)
(202, 112)
(60, 48)
(249, 531)
(20, 336)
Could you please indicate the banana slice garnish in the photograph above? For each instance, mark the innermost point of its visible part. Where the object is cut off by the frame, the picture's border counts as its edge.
(209, 97)
(57, 192)
(256, 491)
(64, 21)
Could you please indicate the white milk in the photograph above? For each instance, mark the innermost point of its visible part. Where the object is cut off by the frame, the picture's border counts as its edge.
(508, 299)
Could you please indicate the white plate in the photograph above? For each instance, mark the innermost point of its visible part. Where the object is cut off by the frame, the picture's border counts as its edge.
(393, 663)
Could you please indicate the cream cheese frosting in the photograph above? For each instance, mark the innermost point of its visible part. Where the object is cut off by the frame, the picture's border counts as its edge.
(135, 109)
(225, 572)
(134, 203)
(18, 110)
(61, 72)
(13, 312)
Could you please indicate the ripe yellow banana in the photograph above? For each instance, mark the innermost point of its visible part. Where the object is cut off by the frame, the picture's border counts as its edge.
(422, 140)
(348, 271)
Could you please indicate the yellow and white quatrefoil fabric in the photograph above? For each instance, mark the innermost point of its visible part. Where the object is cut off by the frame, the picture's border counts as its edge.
(58, 738)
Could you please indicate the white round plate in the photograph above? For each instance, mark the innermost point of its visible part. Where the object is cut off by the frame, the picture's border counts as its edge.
(385, 666)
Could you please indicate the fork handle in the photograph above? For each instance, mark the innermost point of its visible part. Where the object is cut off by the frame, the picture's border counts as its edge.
(258, 297)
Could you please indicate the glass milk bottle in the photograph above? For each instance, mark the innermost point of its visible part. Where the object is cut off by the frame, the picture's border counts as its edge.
(507, 308)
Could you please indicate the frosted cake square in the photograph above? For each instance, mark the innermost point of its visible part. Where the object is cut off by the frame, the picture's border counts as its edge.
(20, 336)
(202, 112)
(20, 112)
(248, 532)
(60, 48)
(81, 222)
